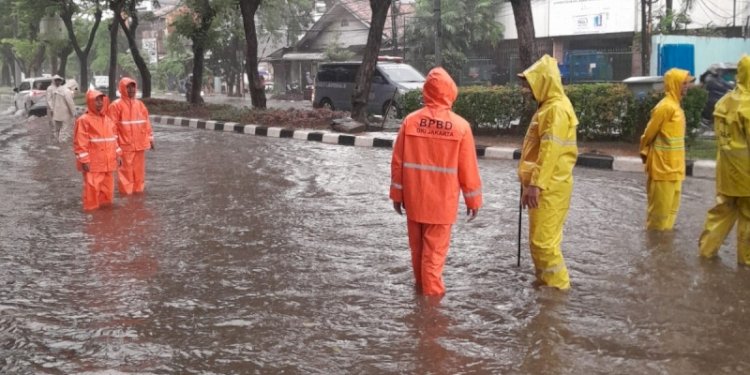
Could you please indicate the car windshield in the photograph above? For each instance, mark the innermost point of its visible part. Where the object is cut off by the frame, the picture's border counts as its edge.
(401, 73)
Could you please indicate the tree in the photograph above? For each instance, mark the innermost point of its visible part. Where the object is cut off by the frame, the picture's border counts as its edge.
(196, 26)
(130, 26)
(116, 7)
(257, 89)
(363, 80)
(525, 29)
(68, 8)
(466, 27)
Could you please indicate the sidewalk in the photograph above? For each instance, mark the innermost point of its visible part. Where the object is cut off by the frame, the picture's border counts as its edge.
(700, 168)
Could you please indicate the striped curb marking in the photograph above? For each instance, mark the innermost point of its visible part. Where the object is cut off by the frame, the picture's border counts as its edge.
(700, 168)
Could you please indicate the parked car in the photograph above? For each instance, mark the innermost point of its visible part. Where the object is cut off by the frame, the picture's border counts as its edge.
(334, 85)
(718, 79)
(30, 91)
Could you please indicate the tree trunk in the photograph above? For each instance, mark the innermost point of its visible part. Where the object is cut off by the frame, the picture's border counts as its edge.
(61, 70)
(363, 80)
(257, 88)
(198, 57)
(53, 67)
(525, 29)
(35, 67)
(130, 31)
(66, 13)
(112, 59)
(645, 36)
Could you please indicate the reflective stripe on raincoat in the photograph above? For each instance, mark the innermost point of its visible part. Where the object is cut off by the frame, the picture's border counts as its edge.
(663, 141)
(549, 149)
(732, 128)
(95, 137)
(434, 157)
(131, 118)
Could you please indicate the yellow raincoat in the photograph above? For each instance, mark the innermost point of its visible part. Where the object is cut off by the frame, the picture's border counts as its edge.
(547, 159)
(663, 148)
(732, 128)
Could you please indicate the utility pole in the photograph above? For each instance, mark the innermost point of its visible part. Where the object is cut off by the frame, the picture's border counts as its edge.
(394, 26)
(734, 13)
(438, 34)
(645, 36)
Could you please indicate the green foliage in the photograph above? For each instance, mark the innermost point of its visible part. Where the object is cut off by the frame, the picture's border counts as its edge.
(693, 104)
(284, 20)
(467, 26)
(604, 111)
(335, 52)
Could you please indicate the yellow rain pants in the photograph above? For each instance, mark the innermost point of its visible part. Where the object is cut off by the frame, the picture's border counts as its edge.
(719, 222)
(732, 127)
(548, 156)
(663, 204)
(545, 236)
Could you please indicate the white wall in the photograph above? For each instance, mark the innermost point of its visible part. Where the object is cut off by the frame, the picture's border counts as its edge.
(707, 50)
(352, 32)
(620, 15)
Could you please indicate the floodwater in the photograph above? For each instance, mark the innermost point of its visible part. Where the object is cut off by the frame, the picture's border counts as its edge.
(257, 255)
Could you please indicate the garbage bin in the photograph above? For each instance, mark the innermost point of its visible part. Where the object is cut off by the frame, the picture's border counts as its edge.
(641, 85)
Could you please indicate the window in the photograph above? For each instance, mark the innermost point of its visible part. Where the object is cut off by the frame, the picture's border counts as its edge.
(24, 86)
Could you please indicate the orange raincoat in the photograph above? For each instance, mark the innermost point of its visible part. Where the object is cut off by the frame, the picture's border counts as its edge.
(433, 159)
(134, 129)
(95, 144)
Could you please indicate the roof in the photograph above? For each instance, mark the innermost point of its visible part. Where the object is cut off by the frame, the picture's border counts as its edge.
(361, 10)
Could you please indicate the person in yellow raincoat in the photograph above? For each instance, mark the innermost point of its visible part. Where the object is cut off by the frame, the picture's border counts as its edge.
(546, 170)
(663, 151)
(732, 128)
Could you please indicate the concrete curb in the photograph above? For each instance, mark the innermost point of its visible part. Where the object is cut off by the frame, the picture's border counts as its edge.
(700, 168)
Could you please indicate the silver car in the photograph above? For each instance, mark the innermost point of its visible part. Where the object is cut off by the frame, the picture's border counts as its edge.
(334, 85)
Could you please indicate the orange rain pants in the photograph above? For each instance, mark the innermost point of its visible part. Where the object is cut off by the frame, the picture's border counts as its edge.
(429, 247)
(98, 189)
(131, 176)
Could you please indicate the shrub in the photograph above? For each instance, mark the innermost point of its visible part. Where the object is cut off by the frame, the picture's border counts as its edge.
(602, 110)
(693, 104)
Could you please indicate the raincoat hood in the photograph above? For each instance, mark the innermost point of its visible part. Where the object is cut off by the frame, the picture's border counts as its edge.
(743, 74)
(123, 87)
(544, 79)
(71, 85)
(91, 96)
(439, 90)
(673, 80)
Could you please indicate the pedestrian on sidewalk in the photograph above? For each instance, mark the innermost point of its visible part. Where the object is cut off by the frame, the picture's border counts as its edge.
(135, 136)
(50, 97)
(732, 129)
(97, 151)
(663, 151)
(434, 157)
(64, 110)
(548, 156)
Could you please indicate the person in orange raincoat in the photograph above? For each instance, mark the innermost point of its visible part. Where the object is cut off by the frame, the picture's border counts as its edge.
(433, 159)
(135, 136)
(97, 151)
(546, 170)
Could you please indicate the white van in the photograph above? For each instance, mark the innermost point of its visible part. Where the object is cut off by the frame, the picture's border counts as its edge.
(334, 85)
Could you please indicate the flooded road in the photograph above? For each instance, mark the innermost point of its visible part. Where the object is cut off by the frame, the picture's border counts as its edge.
(260, 255)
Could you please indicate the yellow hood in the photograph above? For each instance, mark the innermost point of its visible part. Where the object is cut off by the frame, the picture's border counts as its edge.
(743, 74)
(673, 80)
(544, 79)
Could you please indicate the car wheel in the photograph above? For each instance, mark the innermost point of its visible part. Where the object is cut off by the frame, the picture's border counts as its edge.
(327, 103)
